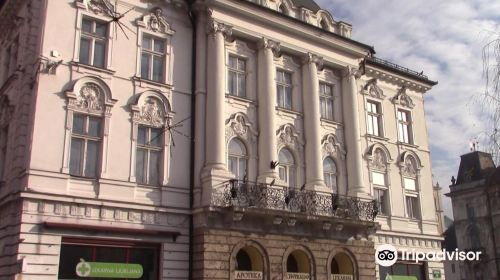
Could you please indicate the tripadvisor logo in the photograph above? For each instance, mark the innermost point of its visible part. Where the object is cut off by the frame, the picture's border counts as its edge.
(387, 255)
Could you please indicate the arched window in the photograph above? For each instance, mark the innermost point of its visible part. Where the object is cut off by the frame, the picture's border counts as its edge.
(297, 262)
(330, 173)
(237, 158)
(341, 264)
(291, 264)
(243, 261)
(287, 168)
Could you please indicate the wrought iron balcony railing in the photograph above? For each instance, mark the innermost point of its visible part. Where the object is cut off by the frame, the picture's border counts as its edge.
(398, 67)
(262, 196)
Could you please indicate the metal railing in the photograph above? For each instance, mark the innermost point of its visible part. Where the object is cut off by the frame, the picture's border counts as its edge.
(398, 67)
(262, 196)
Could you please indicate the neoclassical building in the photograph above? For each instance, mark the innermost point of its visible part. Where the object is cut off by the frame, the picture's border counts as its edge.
(224, 139)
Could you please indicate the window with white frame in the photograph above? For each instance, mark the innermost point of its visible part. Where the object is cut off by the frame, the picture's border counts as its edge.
(374, 119)
(153, 58)
(148, 155)
(330, 173)
(237, 159)
(412, 207)
(86, 136)
(378, 169)
(284, 89)
(236, 76)
(326, 100)
(379, 194)
(93, 42)
(287, 168)
(404, 127)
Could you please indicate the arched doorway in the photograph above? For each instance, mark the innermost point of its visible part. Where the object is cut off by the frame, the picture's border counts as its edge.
(341, 267)
(249, 264)
(298, 265)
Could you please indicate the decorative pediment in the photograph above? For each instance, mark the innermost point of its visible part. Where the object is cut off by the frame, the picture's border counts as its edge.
(332, 147)
(90, 95)
(90, 98)
(97, 6)
(378, 157)
(6, 111)
(409, 164)
(372, 89)
(288, 137)
(403, 99)
(156, 22)
(239, 125)
(153, 109)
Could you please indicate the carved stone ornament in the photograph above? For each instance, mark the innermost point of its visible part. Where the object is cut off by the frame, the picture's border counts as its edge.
(313, 58)
(98, 6)
(90, 98)
(6, 112)
(332, 147)
(274, 46)
(239, 125)
(288, 137)
(156, 21)
(379, 161)
(409, 168)
(402, 98)
(151, 112)
(214, 27)
(372, 89)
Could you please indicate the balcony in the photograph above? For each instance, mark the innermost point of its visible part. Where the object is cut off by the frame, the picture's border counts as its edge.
(248, 195)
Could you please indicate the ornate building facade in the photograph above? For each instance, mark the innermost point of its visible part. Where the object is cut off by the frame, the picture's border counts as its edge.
(223, 139)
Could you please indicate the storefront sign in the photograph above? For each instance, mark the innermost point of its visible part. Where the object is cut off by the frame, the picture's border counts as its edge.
(108, 270)
(301, 276)
(436, 274)
(248, 275)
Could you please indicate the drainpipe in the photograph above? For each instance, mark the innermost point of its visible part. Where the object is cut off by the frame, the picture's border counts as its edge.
(192, 180)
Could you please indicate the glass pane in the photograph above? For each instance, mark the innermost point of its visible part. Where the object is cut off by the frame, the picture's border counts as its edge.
(400, 269)
(94, 127)
(154, 167)
(75, 158)
(112, 255)
(99, 54)
(288, 78)
(100, 29)
(285, 157)
(288, 98)
(235, 147)
(146, 43)
(140, 160)
(279, 76)
(375, 127)
(157, 68)
(78, 124)
(322, 106)
(241, 64)
(91, 160)
(142, 135)
(327, 178)
(330, 109)
(232, 62)
(369, 123)
(280, 102)
(148, 258)
(231, 83)
(233, 165)
(84, 51)
(329, 165)
(241, 85)
(86, 25)
(291, 179)
(145, 58)
(156, 137)
(282, 173)
(70, 256)
(242, 168)
(159, 46)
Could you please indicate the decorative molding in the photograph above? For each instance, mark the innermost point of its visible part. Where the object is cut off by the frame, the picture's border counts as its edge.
(372, 89)
(403, 99)
(214, 26)
(332, 147)
(378, 157)
(103, 7)
(239, 125)
(288, 137)
(90, 95)
(156, 21)
(409, 167)
(151, 108)
(270, 44)
(313, 58)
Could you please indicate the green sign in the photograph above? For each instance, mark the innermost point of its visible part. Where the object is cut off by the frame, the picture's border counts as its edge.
(108, 270)
(436, 274)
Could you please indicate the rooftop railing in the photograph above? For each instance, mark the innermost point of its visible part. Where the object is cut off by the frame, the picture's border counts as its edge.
(294, 200)
(398, 67)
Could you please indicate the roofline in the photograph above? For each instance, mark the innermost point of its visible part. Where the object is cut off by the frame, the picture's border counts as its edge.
(371, 49)
(398, 69)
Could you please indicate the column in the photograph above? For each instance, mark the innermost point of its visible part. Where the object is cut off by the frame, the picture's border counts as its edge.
(266, 109)
(215, 69)
(352, 135)
(312, 122)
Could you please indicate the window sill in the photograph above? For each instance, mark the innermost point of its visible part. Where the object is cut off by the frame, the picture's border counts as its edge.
(239, 98)
(151, 82)
(407, 144)
(83, 178)
(284, 111)
(93, 68)
(142, 185)
(382, 138)
(330, 122)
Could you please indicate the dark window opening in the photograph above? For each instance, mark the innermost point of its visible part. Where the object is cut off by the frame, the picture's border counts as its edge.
(243, 261)
(291, 264)
(334, 268)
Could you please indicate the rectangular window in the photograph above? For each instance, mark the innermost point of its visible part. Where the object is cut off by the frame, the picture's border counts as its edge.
(378, 178)
(374, 121)
(93, 42)
(148, 155)
(85, 145)
(404, 127)
(326, 101)
(412, 208)
(284, 89)
(236, 76)
(409, 184)
(380, 197)
(153, 59)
